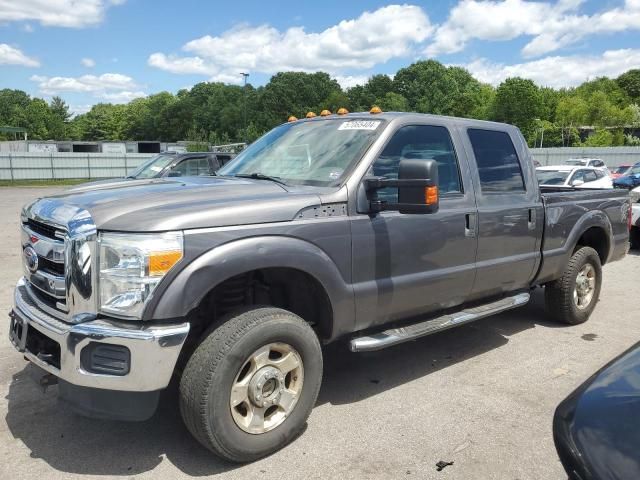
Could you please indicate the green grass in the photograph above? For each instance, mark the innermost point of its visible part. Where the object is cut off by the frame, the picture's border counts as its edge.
(42, 183)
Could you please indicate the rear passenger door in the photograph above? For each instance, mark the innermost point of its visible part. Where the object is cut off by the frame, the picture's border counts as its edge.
(405, 265)
(510, 216)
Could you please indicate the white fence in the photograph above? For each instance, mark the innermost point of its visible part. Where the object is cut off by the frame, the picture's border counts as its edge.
(46, 166)
(611, 156)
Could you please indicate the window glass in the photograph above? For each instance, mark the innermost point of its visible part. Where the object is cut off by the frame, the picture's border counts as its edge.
(192, 167)
(590, 176)
(423, 142)
(578, 175)
(552, 177)
(498, 164)
(600, 174)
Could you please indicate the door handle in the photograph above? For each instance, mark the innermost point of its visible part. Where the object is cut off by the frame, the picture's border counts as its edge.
(470, 221)
(532, 219)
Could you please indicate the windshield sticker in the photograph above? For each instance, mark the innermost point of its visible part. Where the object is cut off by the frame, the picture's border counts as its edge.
(359, 125)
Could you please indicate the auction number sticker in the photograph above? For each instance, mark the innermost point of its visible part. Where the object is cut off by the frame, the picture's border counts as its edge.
(359, 125)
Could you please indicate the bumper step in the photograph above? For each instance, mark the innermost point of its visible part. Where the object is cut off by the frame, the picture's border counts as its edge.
(394, 336)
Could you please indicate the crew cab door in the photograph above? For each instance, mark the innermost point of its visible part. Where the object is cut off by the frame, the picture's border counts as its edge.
(510, 211)
(405, 265)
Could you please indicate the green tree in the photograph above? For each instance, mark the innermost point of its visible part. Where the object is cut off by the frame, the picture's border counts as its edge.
(630, 83)
(600, 138)
(519, 102)
(430, 87)
(295, 93)
(393, 102)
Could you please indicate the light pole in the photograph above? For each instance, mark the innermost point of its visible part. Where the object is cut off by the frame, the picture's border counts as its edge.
(244, 88)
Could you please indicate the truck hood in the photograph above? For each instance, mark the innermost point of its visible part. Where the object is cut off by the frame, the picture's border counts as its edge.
(185, 203)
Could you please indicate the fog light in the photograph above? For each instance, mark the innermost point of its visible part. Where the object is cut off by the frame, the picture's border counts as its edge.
(106, 359)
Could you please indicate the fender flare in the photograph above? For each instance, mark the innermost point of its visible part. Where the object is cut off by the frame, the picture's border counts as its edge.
(187, 289)
(595, 218)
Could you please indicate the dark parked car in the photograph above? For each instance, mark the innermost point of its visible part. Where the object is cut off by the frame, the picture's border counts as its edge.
(630, 180)
(596, 429)
(168, 164)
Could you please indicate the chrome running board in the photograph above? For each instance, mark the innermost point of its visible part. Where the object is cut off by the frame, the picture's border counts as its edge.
(393, 336)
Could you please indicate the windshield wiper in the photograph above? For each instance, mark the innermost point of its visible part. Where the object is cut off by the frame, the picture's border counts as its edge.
(260, 176)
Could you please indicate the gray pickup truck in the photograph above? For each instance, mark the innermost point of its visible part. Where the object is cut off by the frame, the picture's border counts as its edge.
(376, 229)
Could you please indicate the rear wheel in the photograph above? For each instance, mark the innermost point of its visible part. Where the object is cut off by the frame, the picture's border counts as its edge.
(251, 384)
(572, 298)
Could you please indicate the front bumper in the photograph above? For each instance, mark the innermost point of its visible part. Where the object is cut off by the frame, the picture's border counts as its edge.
(153, 348)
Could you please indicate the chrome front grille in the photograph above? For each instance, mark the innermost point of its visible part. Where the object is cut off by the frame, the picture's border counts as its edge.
(58, 244)
(46, 276)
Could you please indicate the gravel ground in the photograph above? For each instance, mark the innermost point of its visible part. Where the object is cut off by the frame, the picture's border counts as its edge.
(481, 395)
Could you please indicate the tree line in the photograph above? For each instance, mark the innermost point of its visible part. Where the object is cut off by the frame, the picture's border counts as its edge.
(215, 112)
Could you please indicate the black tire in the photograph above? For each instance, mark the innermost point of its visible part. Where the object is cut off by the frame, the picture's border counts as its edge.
(634, 238)
(205, 386)
(559, 294)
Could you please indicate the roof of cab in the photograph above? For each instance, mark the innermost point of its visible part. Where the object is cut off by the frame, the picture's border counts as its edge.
(389, 116)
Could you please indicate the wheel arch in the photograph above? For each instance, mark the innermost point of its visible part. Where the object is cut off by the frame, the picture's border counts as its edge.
(223, 263)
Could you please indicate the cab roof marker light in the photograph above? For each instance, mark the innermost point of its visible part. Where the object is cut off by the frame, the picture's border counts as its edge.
(375, 110)
(342, 111)
(311, 115)
(292, 118)
(325, 113)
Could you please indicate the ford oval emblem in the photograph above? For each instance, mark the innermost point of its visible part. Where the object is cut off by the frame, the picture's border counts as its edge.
(31, 259)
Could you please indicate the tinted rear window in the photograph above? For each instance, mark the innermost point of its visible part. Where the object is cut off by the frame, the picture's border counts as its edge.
(498, 164)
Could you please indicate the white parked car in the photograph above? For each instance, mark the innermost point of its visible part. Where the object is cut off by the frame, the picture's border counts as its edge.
(588, 162)
(571, 176)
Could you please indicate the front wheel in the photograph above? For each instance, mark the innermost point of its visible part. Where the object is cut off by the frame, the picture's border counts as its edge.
(572, 298)
(251, 384)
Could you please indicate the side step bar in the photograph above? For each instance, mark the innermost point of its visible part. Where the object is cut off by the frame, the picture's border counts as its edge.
(393, 336)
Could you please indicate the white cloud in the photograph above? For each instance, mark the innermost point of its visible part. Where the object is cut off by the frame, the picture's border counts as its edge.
(122, 97)
(559, 71)
(348, 81)
(552, 26)
(372, 38)
(27, 27)
(113, 87)
(88, 62)
(13, 56)
(58, 13)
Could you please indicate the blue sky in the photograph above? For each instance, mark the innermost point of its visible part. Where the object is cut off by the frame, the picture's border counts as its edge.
(115, 50)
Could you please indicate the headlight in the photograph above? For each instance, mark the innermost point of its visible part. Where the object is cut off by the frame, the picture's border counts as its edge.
(131, 266)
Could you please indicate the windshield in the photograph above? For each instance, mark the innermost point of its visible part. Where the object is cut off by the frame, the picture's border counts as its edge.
(580, 163)
(552, 177)
(152, 167)
(621, 170)
(318, 152)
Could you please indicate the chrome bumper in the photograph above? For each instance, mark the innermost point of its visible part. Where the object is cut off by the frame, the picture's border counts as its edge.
(154, 349)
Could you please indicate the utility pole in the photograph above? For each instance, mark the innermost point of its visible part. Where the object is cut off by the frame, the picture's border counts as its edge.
(244, 88)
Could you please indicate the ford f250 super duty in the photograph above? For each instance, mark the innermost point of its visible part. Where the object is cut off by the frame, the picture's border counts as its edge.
(373, 228)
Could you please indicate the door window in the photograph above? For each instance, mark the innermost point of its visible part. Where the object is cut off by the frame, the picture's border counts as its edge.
(424, 142)
(192, 167)
(498, 164)
(590, 176)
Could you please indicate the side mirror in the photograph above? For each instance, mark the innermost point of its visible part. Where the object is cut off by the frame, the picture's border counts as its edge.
(577, 183)
(417, 185)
